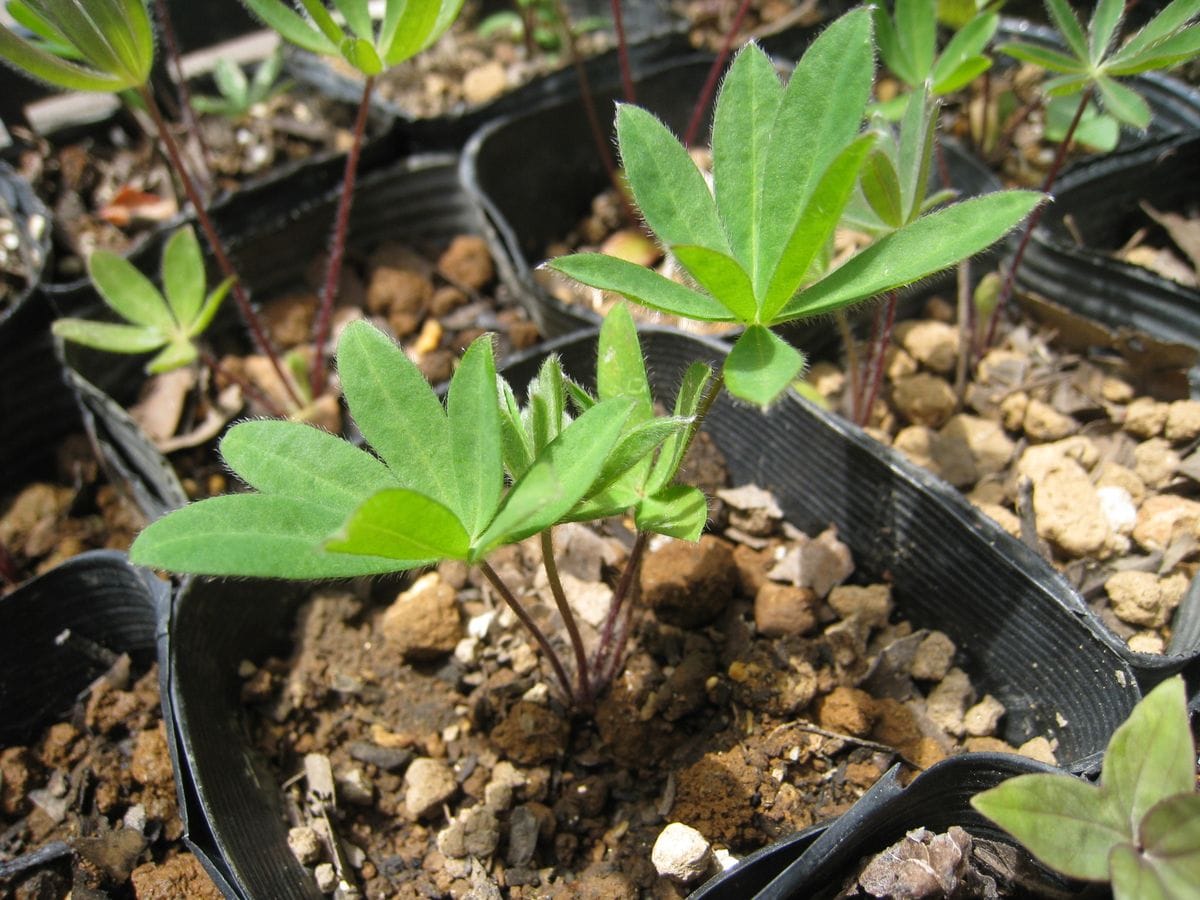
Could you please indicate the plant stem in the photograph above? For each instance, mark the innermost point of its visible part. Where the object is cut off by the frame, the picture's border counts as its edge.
(1010, 277)
(182, 90)
(877, 360)
(568, 617)
(623, 53)
(852, 362)
(527, 620)
(966, 331)
(257, 333)
(337, 249)
(710, 83)
(621, 594)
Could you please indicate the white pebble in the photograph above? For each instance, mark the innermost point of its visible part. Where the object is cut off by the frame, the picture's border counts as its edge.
(681, 853)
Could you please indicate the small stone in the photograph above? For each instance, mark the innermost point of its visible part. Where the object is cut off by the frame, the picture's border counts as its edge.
(781, 609)
(1114, 390)
(689, 584)
(751, 509)
(428, 784)
(473, 832)
(484, 84)
(924, 399)
(179, 876)
(388, 759)
(827, 378)
(989, 447)
(305, 845)
(424, 622)
(934, 657)
(1013, 409)
(1183, 421)
(1155, 462)
(326, 878)
(681, 853)
(1068, 512)
(982, 719)
(445, 300)
(531, 733)
(392, 291)
(897, 363)
(353, 786)
(870, 605)
(947, 702)
(467, 262)
(1003, 368)
(1039, 748)
(1036, 461)
(1145, 418)
(917, 443)
(847, 711)
(1042, 422)
(289, 319)
(932, 344)
(1119, 508)
(1142, 598)
(523, 827)
(1002, 517)
(1164, 518)
(1113, 475)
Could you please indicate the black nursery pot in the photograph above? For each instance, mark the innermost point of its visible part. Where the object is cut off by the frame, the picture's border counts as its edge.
(31, 225)
(951, 568)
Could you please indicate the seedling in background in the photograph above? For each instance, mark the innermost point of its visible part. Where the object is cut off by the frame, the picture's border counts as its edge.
(239, 94)
(1139, 828)
(153, 322)
(535, 22)
(434, 488)
(785, 165)
(1092, 66)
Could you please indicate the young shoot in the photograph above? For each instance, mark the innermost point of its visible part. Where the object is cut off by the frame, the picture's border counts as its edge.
(1139, 828)
(786, 160)
(239, 94)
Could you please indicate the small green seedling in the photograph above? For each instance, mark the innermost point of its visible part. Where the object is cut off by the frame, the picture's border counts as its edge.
(785, 164)
(536, 23)
(908, 47)
(167, 324)
(238, 93)
(435, 488)
(1138, 829)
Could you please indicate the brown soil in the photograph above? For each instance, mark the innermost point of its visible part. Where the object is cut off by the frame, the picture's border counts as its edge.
(87, 809)
(745, 715)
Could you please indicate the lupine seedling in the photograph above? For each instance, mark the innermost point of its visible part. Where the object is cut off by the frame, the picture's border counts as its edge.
(1092, 66)
(108, 46)
(169, 324)
(239, 94)
(406, 28)
(435, 488)
(535, 22)
(785, 164)
(1138, 829)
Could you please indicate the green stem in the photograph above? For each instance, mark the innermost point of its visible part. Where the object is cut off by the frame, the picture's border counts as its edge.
(568, 617)
(337, 250)
(527, 620)
(1010, 277)
(257, 333)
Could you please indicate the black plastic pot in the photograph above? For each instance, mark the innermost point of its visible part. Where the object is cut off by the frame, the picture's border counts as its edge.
(653, 34)
(816, 865)
(1098, 202)
(951, 568)
(31, 219)
(535, 175)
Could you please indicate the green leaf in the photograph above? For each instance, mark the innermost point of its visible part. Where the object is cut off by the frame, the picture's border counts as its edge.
(361, 54)
(1179, 48)
(1053, 60)
(820, 114)
(678, 511)
(962, 75)
(409, 27)
(722, 277)
(559, 477)
(178, 352)
(1068, 824)
(881, 187)
(1134, 877)
(641, 285)
(963, 51)
(916, 29)
(1123, 103)
(693, 389)
(293, 28)
(815, 226)
(760, 366)
(396, 410)
(1063, 86)
(1172, 18)
(928, 245)
(211, 305)
(58, 72)
(634, 447)
(917, 135)
(292, 459)
(109, 336)
(517, 442)
(620, 367)
(1069, 27)
(183, 276)
(404, 525)
(746, 109)
(128, 291)
(547, 403)
(324, 21)
(1095, 130)
(1150, 756)
(265, 76)
(1105, 19)
(1170, 836)
(475, 449)
(669, 189)
(889, 48)
(357, 16)
(231, 82)
(250, 535)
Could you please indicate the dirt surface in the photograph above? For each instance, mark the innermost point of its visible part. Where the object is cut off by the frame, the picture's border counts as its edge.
(88, 808)
(746, 710)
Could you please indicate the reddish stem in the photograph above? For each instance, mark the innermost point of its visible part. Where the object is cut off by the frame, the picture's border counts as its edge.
(568, 617)
(1010, 277)
(877, 361)
(623, 52)
(261, 342)
(337, 250)
(527, 620)
(181, 88)
(620, 595)
(710, 83)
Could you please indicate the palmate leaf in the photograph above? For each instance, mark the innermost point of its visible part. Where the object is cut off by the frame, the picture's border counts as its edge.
(475, 441)
(1123, 103)
(291, 26)
(115, 338)
(641, 285)
(1159, 29)
(1170, 837)
(1103, 26)
(1174, 50)
(620, 367)
(961, 59)
(722, 277)
(916, 30)
(1069, 27)
(1053, 60)
(678, 511)
(404, 525)
(761, 365)
(693, 389)
(128, 291)
(183, 276)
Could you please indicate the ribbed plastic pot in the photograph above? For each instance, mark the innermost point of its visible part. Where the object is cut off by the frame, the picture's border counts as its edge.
(950, 567)
(653, 35)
